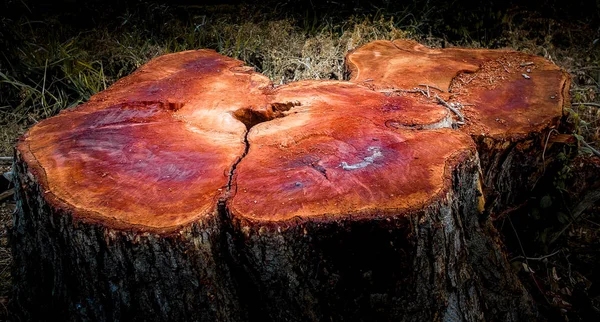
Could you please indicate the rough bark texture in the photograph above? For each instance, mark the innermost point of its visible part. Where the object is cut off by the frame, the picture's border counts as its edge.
(439, 263)
(65, 269)
(196, 190)
(510, 101)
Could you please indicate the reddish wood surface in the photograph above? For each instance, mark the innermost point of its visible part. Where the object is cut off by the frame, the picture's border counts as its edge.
(194, 189)
(157, 149)
(346, 151)
(503, 104)
(153, 151)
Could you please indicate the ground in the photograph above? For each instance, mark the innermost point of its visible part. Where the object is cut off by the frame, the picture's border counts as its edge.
(53, 59)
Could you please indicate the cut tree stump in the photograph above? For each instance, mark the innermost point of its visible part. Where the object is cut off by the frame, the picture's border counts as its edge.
(510, 101)
(194, 189)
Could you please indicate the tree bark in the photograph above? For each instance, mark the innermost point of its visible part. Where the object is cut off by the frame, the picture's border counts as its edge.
(196, 190)
(78, 271)
(441, 262)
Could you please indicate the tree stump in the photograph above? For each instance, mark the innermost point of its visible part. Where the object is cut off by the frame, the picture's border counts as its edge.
(509, 101)
(194, 189)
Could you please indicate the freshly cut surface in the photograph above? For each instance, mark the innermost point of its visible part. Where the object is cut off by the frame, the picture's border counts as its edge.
(158, 149)
(405, 63)
(155, 149)
(345, 150)
(506, 100)
(504, 94)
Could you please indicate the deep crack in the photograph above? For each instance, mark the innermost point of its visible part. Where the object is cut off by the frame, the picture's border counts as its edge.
(251, 117)
(321, 169)
(237, 162)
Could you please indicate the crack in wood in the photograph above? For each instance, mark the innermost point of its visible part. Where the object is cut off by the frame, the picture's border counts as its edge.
(251, 117)
(321, 170)
(231, 175)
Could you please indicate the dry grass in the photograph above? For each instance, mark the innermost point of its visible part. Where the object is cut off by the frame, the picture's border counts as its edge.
(69, 72)
(56, 68)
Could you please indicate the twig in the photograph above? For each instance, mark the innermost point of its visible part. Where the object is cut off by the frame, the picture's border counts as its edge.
(6, 194)
(6, 160)
(562, 231)
(417, 90)
(470, 79)
(596, 152)
(592, 222)
(451, 108)
(428, 93)
(536, 258)
(587, 67)
(544, 158)
(303, 63)
(589, 104)
(518, 239)
(396, 90)
(526, 259)
(529, 63)
(572, 220)
(434, 87)
(591, 78)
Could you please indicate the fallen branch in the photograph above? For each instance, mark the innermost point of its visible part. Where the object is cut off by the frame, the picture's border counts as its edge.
(451, 108)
